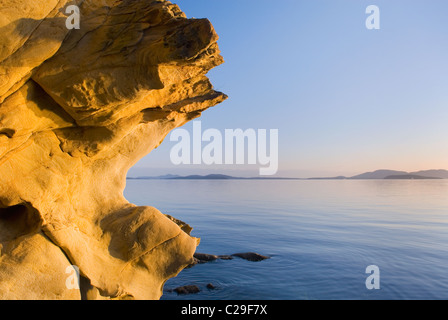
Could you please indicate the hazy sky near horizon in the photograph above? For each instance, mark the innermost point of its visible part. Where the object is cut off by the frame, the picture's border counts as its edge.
(344, 98)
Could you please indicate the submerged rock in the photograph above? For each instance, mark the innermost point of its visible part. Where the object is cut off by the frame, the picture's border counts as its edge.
(211, 286)
(225, 257)
(251, 256)
(204, 257)
(78, 108)
(190, 289)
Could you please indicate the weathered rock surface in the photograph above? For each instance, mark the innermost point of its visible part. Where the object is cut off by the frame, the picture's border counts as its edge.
(78, 108)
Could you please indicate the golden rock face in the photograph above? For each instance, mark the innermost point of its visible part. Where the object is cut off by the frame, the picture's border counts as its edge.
(78, 108)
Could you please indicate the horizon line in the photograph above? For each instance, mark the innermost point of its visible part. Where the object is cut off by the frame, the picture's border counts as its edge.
(340, 177)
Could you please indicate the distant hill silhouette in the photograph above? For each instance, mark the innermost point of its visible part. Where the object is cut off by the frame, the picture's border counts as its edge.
(442, 174)
(166, 176)
(409, 177)
(392, 174)
(208, 177)
(378, 174)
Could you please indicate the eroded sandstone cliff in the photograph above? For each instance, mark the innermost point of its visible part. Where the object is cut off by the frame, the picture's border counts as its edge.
(78, 108)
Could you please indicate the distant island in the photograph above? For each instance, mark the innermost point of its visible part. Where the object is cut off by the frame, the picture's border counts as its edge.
(375, 175)
(409, 177)
(209, 177)
(393, 174)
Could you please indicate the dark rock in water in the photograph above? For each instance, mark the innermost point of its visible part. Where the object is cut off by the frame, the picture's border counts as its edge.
(191, 289)
(225, 257)
(204, 257)
(199, 258)
(250, 256)
(210, 286)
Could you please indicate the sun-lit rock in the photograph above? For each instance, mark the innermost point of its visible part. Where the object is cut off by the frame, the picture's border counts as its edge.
(78, 108)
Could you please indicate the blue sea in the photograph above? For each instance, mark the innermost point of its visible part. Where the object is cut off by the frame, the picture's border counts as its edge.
(321, 236)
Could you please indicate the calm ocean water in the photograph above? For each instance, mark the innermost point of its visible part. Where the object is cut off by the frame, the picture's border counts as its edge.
(321, 236)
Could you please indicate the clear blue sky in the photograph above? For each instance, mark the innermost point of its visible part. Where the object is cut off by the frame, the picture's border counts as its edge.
(345, 99)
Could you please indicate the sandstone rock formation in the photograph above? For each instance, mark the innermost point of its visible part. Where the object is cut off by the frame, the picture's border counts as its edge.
(78, 108)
